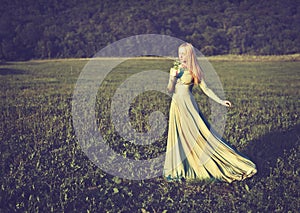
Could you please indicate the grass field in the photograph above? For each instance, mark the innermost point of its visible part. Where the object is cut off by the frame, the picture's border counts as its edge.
(43, 169)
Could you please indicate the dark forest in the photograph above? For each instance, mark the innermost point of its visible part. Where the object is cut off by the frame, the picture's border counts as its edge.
(44, 29)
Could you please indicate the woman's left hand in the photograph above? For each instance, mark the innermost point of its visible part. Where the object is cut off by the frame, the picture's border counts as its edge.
(227, 103)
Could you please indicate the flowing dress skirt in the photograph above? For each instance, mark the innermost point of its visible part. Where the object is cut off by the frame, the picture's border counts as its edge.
(193, 151)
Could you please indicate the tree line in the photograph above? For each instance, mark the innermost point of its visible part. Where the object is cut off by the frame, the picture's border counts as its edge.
(40, 29)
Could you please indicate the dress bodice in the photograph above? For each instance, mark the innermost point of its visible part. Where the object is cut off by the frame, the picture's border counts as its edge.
(182, 75)
(186, 78)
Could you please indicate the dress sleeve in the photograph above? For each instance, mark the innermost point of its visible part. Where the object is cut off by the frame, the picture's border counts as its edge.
(173, 72)
(209, 92)
(172, 80)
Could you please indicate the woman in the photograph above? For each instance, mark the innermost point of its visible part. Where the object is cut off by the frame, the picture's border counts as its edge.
(193, 150)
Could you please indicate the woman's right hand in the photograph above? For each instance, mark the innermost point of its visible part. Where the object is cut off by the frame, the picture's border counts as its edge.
(227, 103)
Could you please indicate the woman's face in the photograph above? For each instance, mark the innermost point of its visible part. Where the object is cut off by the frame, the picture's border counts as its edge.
(182, 55)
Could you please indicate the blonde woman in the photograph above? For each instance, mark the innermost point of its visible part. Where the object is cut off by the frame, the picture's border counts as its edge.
(193, 151)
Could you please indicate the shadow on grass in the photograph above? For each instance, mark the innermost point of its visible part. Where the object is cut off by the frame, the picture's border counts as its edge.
(266, 150)
(7, 71)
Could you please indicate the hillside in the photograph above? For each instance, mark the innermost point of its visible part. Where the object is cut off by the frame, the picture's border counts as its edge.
(39, 29)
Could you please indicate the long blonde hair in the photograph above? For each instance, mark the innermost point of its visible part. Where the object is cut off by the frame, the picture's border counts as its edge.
(192, 63)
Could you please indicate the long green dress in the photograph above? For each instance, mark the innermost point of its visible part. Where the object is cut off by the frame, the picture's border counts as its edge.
(193, 151)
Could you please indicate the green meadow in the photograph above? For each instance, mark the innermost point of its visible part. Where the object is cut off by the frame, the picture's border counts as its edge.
(44, 169)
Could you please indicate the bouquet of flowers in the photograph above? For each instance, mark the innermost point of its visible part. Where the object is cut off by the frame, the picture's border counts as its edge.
(177, 70)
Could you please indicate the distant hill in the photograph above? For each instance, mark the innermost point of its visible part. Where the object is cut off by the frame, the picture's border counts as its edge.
(38, 29)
